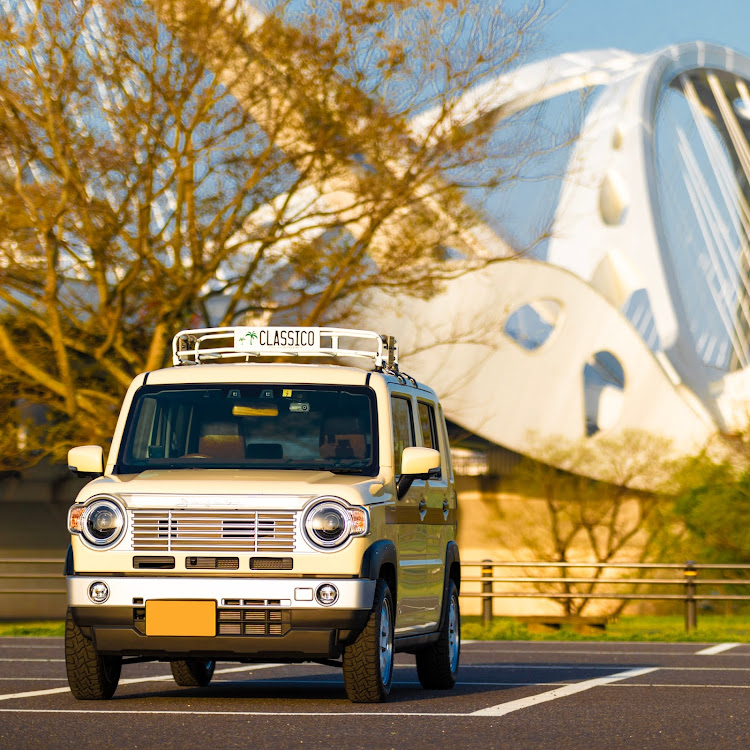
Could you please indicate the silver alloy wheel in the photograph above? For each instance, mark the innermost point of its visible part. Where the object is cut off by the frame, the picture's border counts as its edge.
(454, 635)
(385, 643)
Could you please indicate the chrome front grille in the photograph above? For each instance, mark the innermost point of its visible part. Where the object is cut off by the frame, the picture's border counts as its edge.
(217, 530)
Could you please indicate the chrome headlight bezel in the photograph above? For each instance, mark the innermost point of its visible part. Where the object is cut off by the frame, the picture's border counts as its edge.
(355, 522)
(80, 517)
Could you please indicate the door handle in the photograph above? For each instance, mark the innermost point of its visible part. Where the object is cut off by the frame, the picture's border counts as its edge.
(446, 510)
(422, 509)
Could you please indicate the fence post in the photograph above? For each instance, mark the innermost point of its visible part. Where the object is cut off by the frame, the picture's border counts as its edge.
(691, 610)
(487, 589)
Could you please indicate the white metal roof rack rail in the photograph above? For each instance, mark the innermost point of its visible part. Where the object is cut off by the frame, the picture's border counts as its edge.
(202, 345)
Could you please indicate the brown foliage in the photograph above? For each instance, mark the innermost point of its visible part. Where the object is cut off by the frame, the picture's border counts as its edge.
(189, 162)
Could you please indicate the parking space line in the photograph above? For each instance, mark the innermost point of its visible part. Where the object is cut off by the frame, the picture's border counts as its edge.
(382, 711)
(678, 685)
(25, 660)
(510, 706)
(593, 667)
(589, 667)
(590, 652)
(134, 680)
(719, 648)
(359, 714)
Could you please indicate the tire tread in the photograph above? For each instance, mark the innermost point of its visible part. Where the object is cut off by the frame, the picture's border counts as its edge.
(434, 661)
(362, 659)
(91, 676)
(191, 672)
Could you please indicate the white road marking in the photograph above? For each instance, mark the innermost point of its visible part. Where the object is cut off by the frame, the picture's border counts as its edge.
(591, 667)
(359, 714)
(91, 712)
(25, 660)
(510, 706)
(688, 651)
(719, 648)
(679, 685)
(134, 680)
(706, 669)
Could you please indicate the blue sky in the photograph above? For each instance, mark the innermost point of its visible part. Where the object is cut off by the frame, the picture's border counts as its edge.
(644, 25)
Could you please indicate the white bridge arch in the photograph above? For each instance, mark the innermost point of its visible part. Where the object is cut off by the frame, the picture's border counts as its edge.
(641, 310)
(639, 316)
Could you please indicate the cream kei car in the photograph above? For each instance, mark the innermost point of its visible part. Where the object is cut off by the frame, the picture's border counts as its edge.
(252, 510)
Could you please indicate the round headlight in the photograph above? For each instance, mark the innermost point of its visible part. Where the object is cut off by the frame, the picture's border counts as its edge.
(327, 524)
(103, 522)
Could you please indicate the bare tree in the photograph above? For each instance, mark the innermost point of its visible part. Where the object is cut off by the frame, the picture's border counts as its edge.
(194, 162)
(625, 518)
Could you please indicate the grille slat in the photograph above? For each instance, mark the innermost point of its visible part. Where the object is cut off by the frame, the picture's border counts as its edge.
(241, 531)
(257, 622)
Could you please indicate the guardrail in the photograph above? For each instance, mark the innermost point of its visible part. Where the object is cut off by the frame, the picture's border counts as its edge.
(54, 575)
(688, 583)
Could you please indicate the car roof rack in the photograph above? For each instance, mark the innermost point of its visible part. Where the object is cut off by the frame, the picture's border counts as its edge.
(241, 343)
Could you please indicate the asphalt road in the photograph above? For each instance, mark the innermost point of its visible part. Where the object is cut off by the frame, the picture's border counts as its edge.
(510, 694)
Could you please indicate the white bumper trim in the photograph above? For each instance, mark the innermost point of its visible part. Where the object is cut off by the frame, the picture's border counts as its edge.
(292, 592)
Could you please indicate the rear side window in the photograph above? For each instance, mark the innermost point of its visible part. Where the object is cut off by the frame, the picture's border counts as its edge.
(428, 426)
(403, 429)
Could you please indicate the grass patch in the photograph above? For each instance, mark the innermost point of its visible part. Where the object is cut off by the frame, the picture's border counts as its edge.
(47, 628)
(711, 629)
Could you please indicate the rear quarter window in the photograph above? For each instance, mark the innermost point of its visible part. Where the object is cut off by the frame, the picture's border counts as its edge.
(403, 429)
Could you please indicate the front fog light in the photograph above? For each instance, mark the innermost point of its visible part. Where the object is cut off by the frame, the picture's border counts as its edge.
(327, 594)
(99, 592)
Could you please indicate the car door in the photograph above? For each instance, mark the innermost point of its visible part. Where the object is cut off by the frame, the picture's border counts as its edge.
(437, 515)
(410, 531)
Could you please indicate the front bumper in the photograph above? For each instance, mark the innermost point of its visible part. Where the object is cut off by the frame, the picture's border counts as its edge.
(255, 618)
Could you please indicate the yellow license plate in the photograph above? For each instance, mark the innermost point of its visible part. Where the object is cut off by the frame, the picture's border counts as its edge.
(169, 617)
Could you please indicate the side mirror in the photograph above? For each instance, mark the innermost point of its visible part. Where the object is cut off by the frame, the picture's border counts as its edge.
(417, 463)
(86, 460)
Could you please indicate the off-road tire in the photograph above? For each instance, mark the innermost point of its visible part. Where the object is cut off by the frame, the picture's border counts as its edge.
(193, 672)
(437, 664)
(363, 673)
(91, 676)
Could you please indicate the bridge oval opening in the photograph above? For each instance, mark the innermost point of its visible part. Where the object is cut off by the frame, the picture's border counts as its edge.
(531, 325)
(603, 391)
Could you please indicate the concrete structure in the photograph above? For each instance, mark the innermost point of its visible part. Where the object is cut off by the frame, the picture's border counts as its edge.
(638, 317)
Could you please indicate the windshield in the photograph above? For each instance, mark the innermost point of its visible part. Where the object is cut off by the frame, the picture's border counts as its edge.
(251, 426)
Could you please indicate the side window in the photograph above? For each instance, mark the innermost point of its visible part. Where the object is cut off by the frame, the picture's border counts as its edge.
(403, 429)
(446, 442)
(428, 426)
(163, 429)
(146, 427)
(427, 423)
